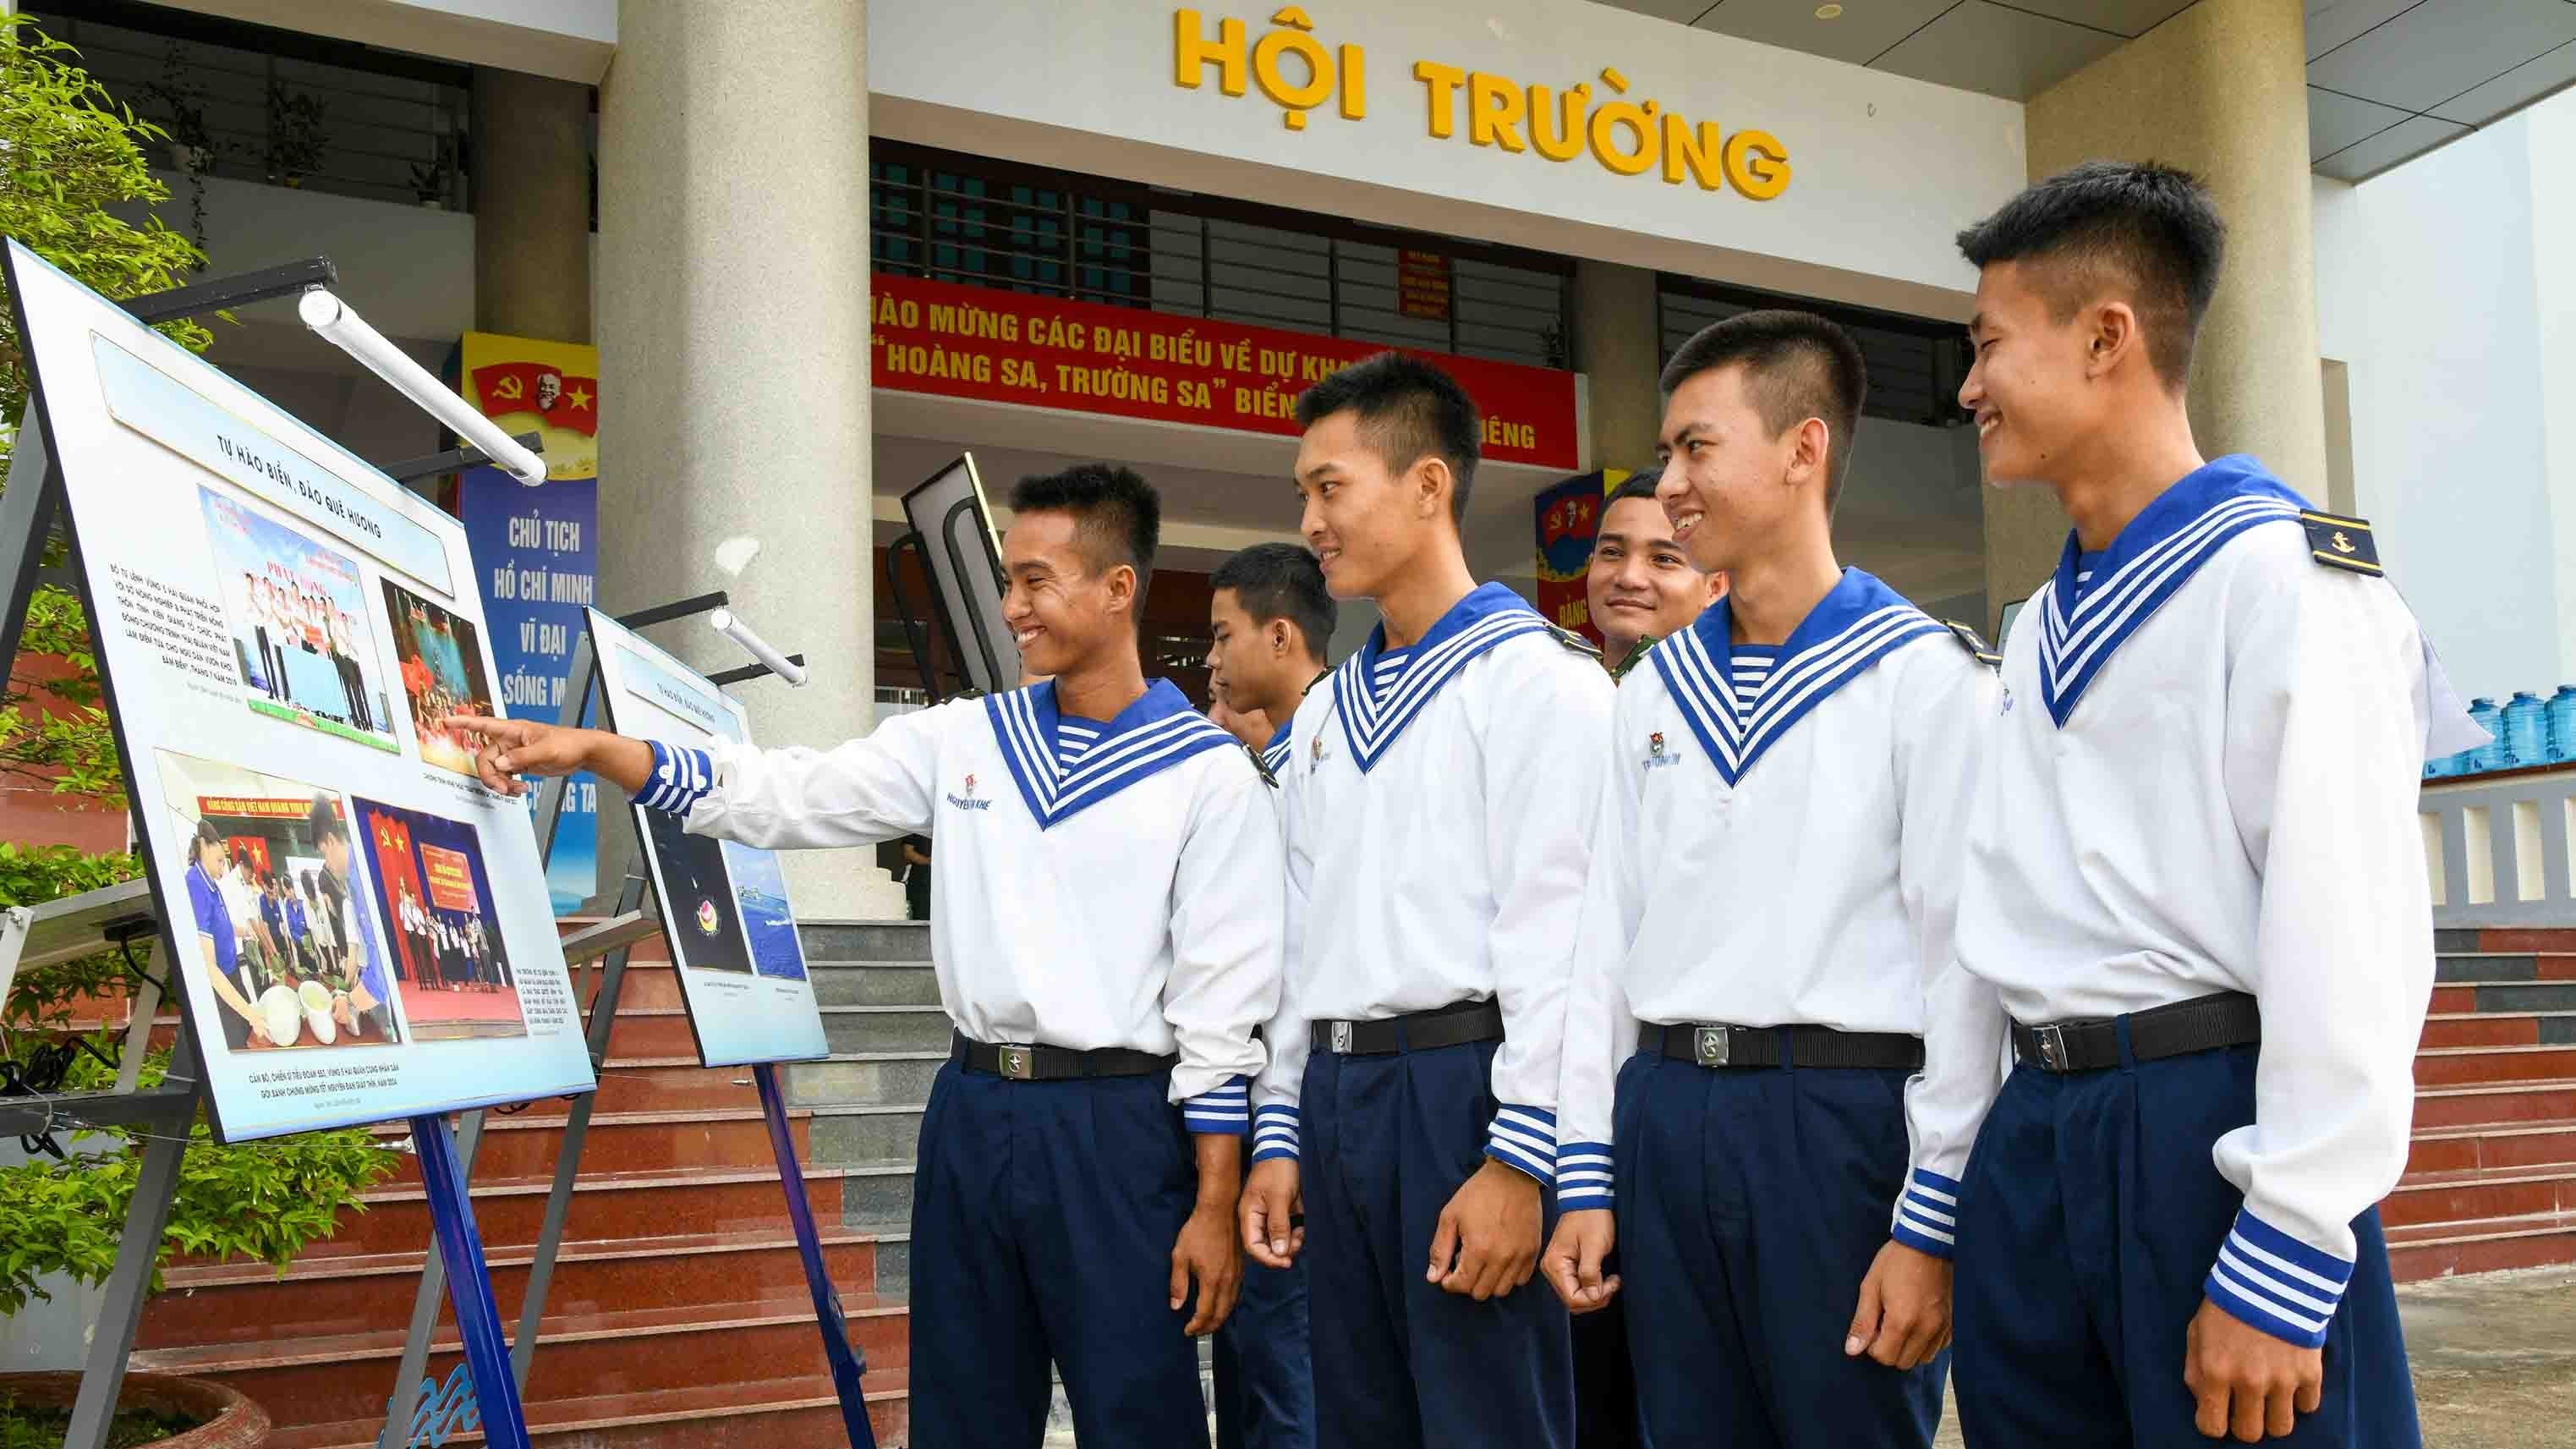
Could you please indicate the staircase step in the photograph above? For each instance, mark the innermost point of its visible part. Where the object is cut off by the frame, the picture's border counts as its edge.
(2460, 1149)
(2480, 1194)
(877, 1197)
(792, 1413)
(2440, 1250)
(886, 1028)
(510, 1211)
(337, 1292)
(527, 1144)
(2542, 938)
(874, 983)
(866, 1078)
(2499, 1028)
(2470, 1066)
(324, 1378)
(2508, 1103)
(843, 1136)
(2487, 966)
(866, 940)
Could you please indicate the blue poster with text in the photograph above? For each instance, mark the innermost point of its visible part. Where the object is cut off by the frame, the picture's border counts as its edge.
(536, 562)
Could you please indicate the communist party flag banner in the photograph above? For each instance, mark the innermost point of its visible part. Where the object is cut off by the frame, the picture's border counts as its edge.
(536, 553)
(1569, 518)
(973, 342)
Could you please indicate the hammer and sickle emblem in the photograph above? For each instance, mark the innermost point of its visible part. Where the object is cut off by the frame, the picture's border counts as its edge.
(510, 388)
(2341, 543)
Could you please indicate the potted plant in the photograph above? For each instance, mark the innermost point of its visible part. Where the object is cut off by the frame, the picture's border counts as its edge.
(295, 136)
(432, 180)
(64, 1216)
(192, 147)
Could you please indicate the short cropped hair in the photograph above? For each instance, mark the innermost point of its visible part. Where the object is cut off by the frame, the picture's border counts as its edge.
(1282, 581)
(1117, 515)
(325, 821)
(1641, 484)
(1796, 366)
(2144, 230)
(1408, 410)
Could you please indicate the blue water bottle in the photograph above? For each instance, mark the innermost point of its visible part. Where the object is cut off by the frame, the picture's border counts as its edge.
(2562, 724)
(2489, 756)
(2526, 729)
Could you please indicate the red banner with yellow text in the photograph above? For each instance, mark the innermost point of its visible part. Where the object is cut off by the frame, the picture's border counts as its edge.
(450, 878)
(969, 342)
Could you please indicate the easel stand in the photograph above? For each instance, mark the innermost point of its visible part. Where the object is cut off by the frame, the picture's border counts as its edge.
(848, 1364)
(29, 513)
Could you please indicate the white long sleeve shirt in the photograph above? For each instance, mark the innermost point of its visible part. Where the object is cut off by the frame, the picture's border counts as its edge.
(1437, 841)
(2205, 780)
(1778, 846)
(1100, 884)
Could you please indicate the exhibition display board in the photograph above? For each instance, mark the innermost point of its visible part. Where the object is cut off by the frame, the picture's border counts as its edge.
(724, 906)
(360, 927)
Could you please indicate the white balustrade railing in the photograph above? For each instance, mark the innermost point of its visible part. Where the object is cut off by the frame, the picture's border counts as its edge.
(2497, 846)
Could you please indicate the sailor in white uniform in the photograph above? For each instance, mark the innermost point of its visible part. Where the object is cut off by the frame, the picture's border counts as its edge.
(1436, 853)
(2195, 886)
(1774, 880)
(1106, 933)
(1270, 619)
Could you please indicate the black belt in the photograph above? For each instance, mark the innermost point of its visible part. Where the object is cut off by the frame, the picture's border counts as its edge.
(2204, 1023)
(1418, 1031)
(1022, 1062)
(1712, 1045)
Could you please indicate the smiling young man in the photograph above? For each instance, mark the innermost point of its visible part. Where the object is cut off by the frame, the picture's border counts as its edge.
(1641, 584)
(1435, 864)
(2195, 884)
(1772, 891)
(1106, 933)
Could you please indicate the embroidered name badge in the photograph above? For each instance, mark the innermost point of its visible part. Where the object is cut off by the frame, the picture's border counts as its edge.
(968, 801)
(2341, 543)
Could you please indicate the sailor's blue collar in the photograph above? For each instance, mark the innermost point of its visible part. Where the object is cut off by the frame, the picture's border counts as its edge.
(2155, 553)
(1849, 629)
(1274, 755)
(1372, 719)
(1156, 731)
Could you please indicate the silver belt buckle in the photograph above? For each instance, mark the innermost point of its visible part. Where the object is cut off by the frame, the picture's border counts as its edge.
(1342, 1037)
(1710, 1045)
(2052, 1047)
(1019, 1063)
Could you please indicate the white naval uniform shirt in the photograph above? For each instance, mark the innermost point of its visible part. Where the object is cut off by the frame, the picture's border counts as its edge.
(1779, 846)
(1100, 884)
(2205, 780)
(1436, 849)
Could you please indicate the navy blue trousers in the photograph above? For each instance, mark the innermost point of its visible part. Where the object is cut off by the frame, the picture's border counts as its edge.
(1751, 1204)
(1264, 1364)
(1043, 1218)
(2088, 1220)
(1400, 1363)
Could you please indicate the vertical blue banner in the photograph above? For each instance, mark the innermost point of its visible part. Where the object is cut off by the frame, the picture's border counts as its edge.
(536, 565)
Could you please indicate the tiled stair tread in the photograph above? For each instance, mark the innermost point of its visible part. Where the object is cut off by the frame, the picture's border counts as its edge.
(617, 1181)
(866, 1109)
(320, 1262)
(2465, 1230)
(557, 1112)
(2486, 1176)
(2476, 1089)
(786, 1306)
(2472, 1051)
(2495, 1015)
(2501, 1129)
(613, 1411)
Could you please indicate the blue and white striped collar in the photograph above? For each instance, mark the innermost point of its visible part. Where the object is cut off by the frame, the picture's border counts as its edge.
(1274, 755)
(1847, 631)
(1375, 711)
(1156, 732)
(2083, 623)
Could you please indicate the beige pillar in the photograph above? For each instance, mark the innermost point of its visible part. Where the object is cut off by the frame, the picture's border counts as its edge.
(2220, 90)
(1616, 347)
(531, 206)
(733, 331)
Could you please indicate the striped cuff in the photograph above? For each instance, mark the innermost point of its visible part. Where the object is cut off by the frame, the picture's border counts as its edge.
(1274, 1133)
(1224, 1110)
(1927, 1217)
(1582, 1176)
(680, 779)
(1525, 1138)
(2276, 1283)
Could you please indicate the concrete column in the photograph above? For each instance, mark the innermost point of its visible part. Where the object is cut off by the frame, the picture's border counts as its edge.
(2220, 90)
(1615, 346)
(531, 206)
(733, 329)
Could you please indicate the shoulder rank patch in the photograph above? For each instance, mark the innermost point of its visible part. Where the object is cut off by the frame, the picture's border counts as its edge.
(1575, 642)
(2341, 543)
(1260, 768)
(1636, 656)
(1974, 642)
